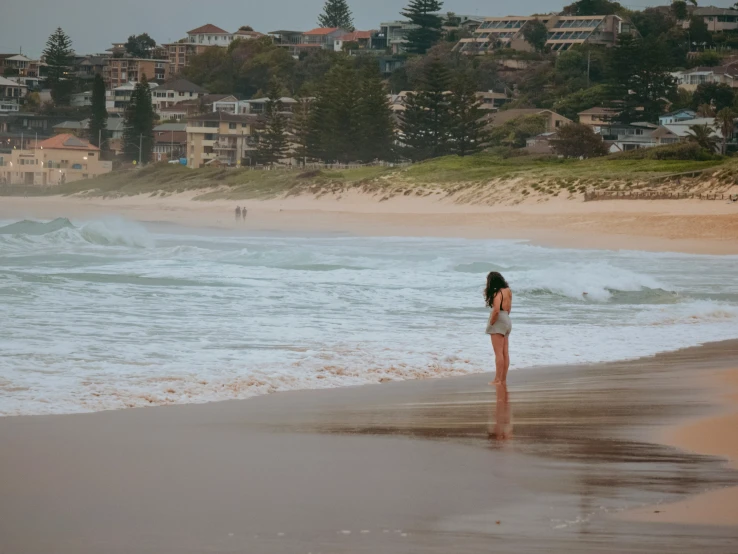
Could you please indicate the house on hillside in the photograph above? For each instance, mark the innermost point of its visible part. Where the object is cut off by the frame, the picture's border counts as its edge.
(57, 160)
(716, 19)
(172, 92)
(363, 40)
(564, 31)
(220, 138)
(677, 116)
(598, 116)
(623, 137)
(120, 71)
(690, 79)
(170, 141)
(117, 99)
(324, 37)
(552, 120)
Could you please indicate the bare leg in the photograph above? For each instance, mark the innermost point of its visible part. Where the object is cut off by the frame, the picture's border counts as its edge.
(498, 345)
(507, 358)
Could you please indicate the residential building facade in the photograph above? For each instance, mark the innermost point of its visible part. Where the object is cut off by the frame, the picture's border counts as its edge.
(172, 92)
(716, 19)
(220, 138)
(552, 119)
(118, 98)
(598, 117)
(563, 32)
(57, 160)
(12, 90)
(120, 71)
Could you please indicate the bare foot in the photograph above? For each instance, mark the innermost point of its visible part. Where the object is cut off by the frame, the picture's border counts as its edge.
(495, 383)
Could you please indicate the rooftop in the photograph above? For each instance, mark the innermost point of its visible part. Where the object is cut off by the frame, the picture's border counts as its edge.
(8, 83)
(182, 85)
(357, 35)
(66, 142)
(323, 31)
(206, 29)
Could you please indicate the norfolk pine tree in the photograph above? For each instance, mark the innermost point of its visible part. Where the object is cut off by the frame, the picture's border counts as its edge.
(468, 129)
(334, 116)
(377, 129)
(139, 124)
(426, 121)
(301, 129)
(99, 120)
(273, 144)
(58, 57)
(336, 13)
(423, 14)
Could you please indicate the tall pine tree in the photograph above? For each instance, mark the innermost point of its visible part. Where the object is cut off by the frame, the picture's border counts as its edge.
(58, 58)
(138, 133)
(99, 121)
(426, 122)
(301, 129)
(377, 129)
(334, 117)
(336, 13)
(424, 15)
(273, 144)
(468, 130)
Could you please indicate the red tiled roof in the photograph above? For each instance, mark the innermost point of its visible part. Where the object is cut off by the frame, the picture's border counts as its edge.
(169, 137)
(322, 31)
(209, 28)
(66, 142)
(356, 35)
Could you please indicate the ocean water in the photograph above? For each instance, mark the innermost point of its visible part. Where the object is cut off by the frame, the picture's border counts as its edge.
(108, 314)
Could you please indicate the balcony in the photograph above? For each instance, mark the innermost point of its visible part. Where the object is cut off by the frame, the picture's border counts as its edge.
(224, 145)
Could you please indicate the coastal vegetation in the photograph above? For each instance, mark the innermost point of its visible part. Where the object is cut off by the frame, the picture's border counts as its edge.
(487, 177)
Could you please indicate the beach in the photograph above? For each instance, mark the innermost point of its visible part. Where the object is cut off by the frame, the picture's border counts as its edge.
(314, 378)
(693, 226)
(401, 467)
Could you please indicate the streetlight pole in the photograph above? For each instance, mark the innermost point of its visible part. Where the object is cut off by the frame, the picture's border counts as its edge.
(140, 148)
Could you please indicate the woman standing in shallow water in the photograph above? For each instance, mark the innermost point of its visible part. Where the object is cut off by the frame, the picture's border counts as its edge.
(498, 296)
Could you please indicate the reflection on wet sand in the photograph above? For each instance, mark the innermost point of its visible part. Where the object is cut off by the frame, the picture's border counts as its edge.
(501, 427)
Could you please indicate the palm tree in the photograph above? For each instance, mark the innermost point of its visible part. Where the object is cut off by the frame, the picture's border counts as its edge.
(725, 121)
(704, 135)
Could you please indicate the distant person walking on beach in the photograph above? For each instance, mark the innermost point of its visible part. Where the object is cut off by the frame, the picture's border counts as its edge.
(244, 212)
(498, 296)
(238, 213)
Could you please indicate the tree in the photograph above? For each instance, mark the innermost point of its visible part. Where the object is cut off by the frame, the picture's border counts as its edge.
(679, 10)
(426, 120)
(468, 129)
(140, 46)
(336, 13)
(423, 14)
(334, 116)
(138, 132)
(515, 132)
(301, 129)
(699, 34)
(652, 22)
(535, 33)
(376, 124)
(273, 143)
(578, 141)
(718, 95)
(639, 68)
(704, 135)
(725, 121)
(593, 7)
(99, 120)
(33, 101)
(58, 57)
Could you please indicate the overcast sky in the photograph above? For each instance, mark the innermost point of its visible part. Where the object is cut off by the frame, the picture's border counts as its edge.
(94, 24)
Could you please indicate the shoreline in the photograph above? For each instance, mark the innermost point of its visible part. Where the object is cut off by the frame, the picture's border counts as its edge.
(687, 226)
(284, 472)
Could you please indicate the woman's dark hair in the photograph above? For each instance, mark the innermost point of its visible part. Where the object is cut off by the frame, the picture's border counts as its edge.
(495, 283)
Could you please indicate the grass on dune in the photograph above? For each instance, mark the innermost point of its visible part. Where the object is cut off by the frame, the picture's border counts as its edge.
(165, 179)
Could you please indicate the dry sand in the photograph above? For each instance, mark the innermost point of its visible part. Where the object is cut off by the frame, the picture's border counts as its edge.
(702, 227)
(426, 466)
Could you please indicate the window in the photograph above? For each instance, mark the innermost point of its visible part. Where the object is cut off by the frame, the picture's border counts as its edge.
(232, 126)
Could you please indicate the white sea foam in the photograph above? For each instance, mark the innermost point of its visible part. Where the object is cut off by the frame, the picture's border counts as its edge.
(108, 315)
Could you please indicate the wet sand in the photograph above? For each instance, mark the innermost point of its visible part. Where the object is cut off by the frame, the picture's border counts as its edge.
(691, 226)
(425, 466)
